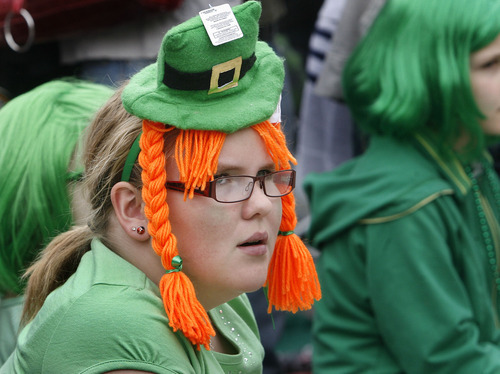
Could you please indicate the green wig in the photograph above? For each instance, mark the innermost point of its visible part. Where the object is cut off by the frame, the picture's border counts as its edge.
(39, 131)
(411, 71)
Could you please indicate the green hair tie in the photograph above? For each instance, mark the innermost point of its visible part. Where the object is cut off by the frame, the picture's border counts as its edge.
(131, 158)
(285, 233)
(177, 265)
(74, 176)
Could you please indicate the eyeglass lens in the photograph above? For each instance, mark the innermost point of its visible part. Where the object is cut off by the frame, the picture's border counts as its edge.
(238, 188)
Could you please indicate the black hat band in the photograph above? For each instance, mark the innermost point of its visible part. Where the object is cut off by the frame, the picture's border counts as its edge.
(221, 76)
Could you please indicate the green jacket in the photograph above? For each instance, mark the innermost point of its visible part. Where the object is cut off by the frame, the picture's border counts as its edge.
(407, 285)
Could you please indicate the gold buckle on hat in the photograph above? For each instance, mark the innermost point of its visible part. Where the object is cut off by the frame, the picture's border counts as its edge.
(217, 70)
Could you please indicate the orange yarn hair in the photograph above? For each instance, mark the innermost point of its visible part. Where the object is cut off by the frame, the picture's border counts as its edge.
(292, 279)
(292, 283)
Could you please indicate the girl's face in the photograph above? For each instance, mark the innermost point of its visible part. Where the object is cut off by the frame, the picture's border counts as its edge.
(226, 247)
(485, 81)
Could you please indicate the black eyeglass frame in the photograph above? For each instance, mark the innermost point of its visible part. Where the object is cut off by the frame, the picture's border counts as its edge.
(210, 188)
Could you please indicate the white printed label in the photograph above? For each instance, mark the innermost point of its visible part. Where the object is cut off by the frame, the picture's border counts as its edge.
(221, 24)
(276, 117)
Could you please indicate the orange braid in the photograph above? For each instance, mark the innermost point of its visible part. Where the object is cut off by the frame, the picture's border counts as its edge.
(291, 279)
(183, 309)
(154, 193)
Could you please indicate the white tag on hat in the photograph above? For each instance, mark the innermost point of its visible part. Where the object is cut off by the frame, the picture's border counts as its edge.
(276, 117)
(221, 24)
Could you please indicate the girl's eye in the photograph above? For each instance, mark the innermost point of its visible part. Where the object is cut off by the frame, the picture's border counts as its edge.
(220, 175)
(491, 63)
(223, 180)
(265, 172)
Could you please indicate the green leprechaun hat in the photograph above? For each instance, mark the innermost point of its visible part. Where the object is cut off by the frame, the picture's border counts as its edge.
(196, 85)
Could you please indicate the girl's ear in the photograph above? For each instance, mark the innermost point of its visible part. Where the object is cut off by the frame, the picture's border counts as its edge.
(128, 206)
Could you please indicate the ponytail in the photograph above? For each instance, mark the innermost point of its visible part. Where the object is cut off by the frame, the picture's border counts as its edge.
(55, 264)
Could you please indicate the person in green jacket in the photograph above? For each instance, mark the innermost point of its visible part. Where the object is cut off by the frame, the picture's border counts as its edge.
(40, 136)
(190, 187)
(409, 231)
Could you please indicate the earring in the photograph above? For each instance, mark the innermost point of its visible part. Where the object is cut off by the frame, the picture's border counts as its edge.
(140, 229)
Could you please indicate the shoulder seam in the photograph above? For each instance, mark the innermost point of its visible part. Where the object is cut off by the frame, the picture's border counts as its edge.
(417, 206)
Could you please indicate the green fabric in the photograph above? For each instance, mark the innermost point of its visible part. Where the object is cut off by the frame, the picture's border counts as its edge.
(131, 159)
(10, 316)
(110, 316)
(404, 273)
(188, 48)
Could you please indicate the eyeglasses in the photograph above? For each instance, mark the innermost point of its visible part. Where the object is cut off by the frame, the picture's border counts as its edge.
(236, 188)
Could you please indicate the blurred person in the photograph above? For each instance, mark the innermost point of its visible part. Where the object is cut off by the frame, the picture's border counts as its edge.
(326, 143)
(39, 169)
(408, 231)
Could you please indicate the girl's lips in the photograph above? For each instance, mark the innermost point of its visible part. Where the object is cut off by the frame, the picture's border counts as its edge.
(255, 245)
(258, 237)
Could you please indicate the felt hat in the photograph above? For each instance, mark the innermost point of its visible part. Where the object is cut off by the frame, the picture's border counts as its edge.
(196, 85)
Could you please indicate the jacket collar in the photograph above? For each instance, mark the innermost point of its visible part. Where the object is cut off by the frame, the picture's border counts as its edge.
(450, 165)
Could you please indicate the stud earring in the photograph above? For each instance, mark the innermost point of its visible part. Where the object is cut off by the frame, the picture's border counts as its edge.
(140, 229)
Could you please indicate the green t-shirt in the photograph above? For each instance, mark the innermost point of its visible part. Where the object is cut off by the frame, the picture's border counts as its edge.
(10, 315)
(110, 316)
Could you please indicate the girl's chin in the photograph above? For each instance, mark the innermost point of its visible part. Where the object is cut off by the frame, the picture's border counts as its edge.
(256, 285)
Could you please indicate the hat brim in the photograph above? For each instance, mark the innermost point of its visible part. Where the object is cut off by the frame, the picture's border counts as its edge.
(254, 100)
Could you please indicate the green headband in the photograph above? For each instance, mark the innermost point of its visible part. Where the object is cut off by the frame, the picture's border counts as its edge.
(131, 158)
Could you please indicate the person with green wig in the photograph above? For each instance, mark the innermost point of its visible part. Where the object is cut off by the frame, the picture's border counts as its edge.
(409, 232)
(40, 132)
